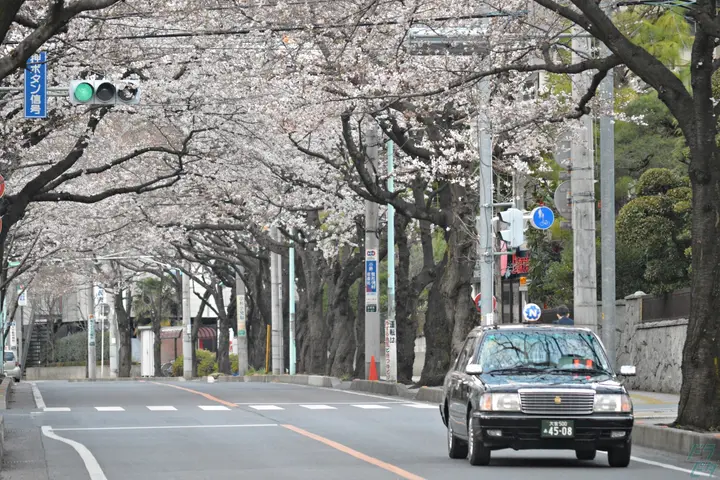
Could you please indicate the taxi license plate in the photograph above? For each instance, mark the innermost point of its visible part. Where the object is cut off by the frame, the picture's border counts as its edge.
(557, 429)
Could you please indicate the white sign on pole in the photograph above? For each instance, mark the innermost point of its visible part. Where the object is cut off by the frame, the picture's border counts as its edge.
(13, 335)
(22, 296)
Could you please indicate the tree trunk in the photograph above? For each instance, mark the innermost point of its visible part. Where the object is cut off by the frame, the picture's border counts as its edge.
(125, 332)
(315, 341)
(699, 405)
(450, 308)
(359, 333)
(223, 350)
(157, 345)
(342, 339)
(438, 338)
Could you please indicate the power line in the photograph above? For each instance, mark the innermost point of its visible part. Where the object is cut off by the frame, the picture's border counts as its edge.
(290, 28)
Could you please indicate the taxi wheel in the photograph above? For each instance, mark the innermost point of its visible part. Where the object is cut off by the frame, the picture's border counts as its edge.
(619, 457)
(456, 447)
(585, 454)
(478, 454)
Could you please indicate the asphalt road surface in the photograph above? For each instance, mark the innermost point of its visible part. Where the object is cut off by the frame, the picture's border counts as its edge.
(193, 430)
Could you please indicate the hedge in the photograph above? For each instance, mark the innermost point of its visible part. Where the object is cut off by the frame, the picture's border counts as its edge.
(207, 363)
(73, 349)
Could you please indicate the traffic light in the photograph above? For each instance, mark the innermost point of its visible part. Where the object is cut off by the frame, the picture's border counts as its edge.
(514, 236)
(104, 92)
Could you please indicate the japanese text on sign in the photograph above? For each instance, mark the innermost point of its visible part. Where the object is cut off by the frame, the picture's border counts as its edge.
(36, 86)
(371, 277)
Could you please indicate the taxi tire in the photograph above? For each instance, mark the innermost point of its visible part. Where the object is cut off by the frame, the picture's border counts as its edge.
(585, 454)
(619, 457)
(456, 447)
(478, 454)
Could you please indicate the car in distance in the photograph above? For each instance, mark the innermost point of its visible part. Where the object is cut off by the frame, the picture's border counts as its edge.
(536, 387)
(12, 366)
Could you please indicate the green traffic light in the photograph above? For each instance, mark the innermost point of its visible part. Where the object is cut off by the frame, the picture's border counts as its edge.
(84, 92)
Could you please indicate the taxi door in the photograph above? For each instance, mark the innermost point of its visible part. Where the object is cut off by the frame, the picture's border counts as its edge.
(457, 391)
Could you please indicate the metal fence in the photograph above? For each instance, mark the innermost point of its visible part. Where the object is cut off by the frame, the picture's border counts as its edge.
(672, 306)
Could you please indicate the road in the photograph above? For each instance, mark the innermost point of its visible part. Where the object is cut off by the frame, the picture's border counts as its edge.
(194, 430)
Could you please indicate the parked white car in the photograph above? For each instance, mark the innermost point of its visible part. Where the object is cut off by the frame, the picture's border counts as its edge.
(12, 366)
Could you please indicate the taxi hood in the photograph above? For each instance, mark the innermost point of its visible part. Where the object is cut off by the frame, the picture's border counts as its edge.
(513, 383)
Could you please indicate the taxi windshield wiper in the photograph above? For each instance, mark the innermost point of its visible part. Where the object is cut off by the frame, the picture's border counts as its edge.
(517, 369)
(581, 371)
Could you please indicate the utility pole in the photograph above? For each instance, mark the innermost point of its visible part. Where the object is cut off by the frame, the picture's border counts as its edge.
(390, 328)
(112, 320)
(278, 366)
(20, 340)
(291, 301)
(582, 181)
(91, 362)
(241, 340)
(607, 211)
(483, 222)
(187, 324)
(372, 259)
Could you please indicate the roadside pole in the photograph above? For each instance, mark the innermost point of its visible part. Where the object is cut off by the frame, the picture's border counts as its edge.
(241, 340)
(372, 259)
(390, 329)
(291, 302)
(91, 360)
(187, 330)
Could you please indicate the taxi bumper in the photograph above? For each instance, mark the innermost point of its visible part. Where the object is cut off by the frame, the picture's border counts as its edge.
(524, 432)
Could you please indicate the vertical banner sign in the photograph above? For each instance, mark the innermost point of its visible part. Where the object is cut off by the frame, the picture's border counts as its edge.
(91, 330)
(22, 296)
(241, 316)
(13, 335)
(36, 86)
(371, 280)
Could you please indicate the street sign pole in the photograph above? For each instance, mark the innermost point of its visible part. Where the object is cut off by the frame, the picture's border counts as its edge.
(91, 360)
(372, 245)
(36, 86)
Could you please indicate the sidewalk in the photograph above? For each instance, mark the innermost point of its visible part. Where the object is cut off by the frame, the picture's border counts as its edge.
(24, 455)
(654, 405)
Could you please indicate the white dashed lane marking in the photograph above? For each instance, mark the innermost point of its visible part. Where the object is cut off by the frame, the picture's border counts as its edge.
(259, 407)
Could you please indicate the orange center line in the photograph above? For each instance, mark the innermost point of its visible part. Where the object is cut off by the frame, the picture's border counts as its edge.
(366, 458)
(206, 395)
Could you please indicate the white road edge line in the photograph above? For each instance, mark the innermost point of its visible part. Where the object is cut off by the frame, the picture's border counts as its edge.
(665, 465)
(163, 427)
(39, 402)
(91, 464)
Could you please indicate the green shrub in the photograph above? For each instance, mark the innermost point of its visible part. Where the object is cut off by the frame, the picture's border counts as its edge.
(233, 363)
(73, 348)
(206, 364)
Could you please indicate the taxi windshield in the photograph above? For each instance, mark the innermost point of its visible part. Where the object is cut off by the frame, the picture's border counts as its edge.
(550, 350)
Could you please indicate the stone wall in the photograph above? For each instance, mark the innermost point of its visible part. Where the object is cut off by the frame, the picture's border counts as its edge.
(70, 373)
(654, 348)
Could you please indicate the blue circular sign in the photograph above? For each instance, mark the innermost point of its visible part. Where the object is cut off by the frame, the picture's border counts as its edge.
(532, 312)
(542, 218)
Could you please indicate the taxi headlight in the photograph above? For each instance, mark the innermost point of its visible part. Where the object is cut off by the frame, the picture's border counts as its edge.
(613, 403)
(500, 402)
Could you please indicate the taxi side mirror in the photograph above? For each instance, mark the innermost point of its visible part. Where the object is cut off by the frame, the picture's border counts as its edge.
(473, 369)
(627, 370)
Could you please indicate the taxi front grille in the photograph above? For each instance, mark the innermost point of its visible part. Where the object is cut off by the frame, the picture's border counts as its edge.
(549, 402)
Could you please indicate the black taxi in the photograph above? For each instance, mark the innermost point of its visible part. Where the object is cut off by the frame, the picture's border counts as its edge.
(536, 386)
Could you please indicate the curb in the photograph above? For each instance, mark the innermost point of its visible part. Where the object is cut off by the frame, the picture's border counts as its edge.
(2, 439)
(429, 394)
(309, 380)
(135, 379)
(5, 392)
(675, 440)
(383, 388)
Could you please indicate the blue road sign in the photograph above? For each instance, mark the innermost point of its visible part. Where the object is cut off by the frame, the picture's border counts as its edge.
(371, 280)
(36, 86)
(532, 312)
(542, 218)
